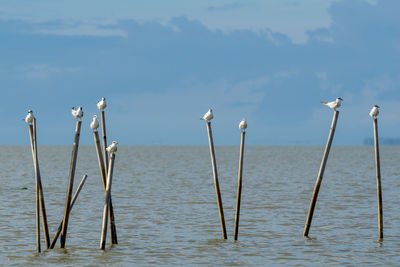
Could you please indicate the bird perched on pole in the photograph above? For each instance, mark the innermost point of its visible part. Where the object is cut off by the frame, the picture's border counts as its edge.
(102, 103)
(29, 117)
(243, 125)
(208, 116)
(334, 104)
(95, 123)
(113, 147)
(374, 111)
(77, 113)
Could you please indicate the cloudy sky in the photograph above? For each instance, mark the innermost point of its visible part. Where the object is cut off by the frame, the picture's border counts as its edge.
(162, 64)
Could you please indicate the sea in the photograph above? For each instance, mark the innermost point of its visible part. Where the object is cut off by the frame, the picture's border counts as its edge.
(166, 212)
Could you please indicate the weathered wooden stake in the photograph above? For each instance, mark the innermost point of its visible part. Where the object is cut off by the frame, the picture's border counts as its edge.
(216, 183)
(78, 190)
(41, 194)
(320, 174)
(71, 184)
(239, 192)
(37, 189)
(378, 179)
(103, 131)
(113, 229)
(107, 201)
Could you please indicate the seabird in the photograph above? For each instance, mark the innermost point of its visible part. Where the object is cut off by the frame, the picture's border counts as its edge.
(208, 116)
(243, 124)
(29, 117)
(77, 113)
(334, 104)
(102, 103)
(113, 147)
(374, 111)
(95, 123)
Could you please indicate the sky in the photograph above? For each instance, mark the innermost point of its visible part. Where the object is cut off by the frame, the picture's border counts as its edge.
(162, 64)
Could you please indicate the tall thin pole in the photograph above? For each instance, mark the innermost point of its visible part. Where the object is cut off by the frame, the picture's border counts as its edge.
(216, 183)
(107, 202)
(378, 179)
(41, 194)
(76, 194)
(320, 174)
(30, 127)
(103, 131)
(113, 229)
(71, 184)
(239, 191)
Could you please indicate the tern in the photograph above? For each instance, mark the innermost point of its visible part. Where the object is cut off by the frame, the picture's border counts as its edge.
(243, 124)
(208, 116)
(95, 123)
(29, 117)
(102, 103)
(374, 111)
(113, 147)
(77, 113)
(334, 104)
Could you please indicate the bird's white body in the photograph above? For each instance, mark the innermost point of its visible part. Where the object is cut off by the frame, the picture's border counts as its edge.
(208, 116)
(374, 111)
(243, 124)
(29, 117)
(77, 113)
(113, 147)
(102, 104)
(334, 104)
(95, 123)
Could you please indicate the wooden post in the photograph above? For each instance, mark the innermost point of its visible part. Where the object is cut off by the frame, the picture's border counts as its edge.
(71, 184)
(239, 192)
(37, 189)
(216, 183)
(41, 194)
(103, 130)
(378, 179)
(107, 202)
(78, 190)
(320, 174)
(113, 229)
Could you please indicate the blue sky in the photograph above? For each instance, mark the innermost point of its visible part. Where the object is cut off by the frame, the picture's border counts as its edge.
(162, 64)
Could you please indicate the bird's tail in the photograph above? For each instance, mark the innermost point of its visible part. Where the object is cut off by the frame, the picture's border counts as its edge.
(201, 118)
(323, 102)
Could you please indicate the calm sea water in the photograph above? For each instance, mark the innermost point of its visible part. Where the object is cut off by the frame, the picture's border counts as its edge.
(166, 212)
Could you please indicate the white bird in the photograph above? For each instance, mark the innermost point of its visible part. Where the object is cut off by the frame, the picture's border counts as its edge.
(77, 113)
(334, 104)
(208, 116)
(102, 103)
(113, 147)
(243, 124)
(374, 111)
(29, 118)
(95, 123)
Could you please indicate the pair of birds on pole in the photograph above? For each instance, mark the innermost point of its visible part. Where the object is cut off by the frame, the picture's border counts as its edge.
(338, 102)
(209, 116)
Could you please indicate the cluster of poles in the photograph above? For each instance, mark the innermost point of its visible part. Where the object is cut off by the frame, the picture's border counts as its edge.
(106, 166)
(243, 125)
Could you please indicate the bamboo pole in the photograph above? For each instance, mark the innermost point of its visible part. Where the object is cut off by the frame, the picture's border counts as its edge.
(30, 127)
(103, 131)
(107, 201)
(113, 229)
(41, 194)
(239, 192)
(320, 174)
(378, 179)
(71, 184)
(78, 190)
(216, 183)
